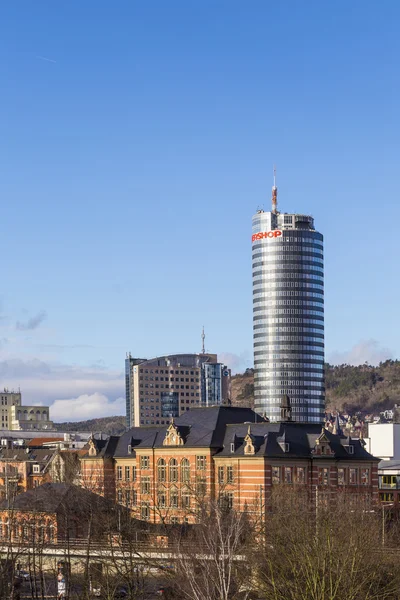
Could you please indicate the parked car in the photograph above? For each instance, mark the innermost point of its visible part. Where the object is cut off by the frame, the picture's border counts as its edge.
(22, 574)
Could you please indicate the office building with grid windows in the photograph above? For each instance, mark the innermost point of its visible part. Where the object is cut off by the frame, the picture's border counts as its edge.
(288, 314)
(163, 388)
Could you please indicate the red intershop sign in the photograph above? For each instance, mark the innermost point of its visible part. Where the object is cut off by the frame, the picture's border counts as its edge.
(266, 234)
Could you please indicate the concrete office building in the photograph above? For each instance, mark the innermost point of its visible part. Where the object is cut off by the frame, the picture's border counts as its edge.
(288, 314)
(162, 388)
(16, 417)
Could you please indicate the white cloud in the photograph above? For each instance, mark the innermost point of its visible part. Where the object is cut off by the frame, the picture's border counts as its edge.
(238, 363)
(86, 406)
(365, 351)
(46, 383)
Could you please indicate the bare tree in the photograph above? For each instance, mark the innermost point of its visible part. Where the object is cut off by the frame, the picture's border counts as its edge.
(211, 558)
(65, 467)
(322, 548)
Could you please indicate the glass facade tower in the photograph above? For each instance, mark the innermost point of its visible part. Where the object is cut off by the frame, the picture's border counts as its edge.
(288, 315)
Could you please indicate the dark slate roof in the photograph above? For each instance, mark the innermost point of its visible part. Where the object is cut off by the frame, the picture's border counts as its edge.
(21, 454)
(67, 499)
(138, 437)
(105, 448)
(218, 427)
(269, 440)
(52, 497)
(199, 427)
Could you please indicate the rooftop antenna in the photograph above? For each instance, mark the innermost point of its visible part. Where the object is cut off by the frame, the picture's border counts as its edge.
(203, 339)
(274, 195)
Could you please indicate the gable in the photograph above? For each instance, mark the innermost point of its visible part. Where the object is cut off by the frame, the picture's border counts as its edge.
(173, 436)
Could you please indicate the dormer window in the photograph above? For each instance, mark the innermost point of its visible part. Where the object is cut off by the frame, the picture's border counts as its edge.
(249, 447)
(323, 448)
(322, 445)
(173, 436)
(350, 449)
(232, 447)
(36, 468)
(129, 449)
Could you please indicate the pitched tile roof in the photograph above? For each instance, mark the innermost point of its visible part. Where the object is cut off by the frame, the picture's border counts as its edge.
(45, 440)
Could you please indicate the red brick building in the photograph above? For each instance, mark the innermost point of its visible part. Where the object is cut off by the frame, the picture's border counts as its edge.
(54, 512)
(22, 469)
(226, 454)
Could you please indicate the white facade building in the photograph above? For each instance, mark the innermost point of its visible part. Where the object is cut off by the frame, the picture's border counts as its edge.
(16, 417)
(383, 440)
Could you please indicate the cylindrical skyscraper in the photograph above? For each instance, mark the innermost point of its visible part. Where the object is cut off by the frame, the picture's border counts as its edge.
(288, 314)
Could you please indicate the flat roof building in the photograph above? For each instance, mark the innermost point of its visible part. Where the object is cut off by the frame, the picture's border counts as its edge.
(383, 440)
(162, 388)
(17, 417)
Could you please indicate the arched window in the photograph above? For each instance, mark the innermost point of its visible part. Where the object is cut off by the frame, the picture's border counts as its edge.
(185, 470)
(173, 470)
(161, 470)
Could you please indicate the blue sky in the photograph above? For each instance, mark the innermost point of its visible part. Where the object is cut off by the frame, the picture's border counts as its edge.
(136, 141)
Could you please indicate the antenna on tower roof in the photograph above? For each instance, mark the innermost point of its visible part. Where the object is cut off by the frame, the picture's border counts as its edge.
(203, 339)
(274, 194)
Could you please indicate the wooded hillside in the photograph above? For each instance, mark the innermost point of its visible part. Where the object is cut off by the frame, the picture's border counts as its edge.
(363, 388)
